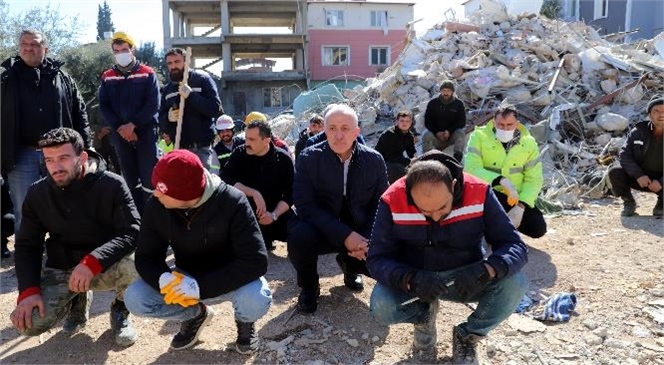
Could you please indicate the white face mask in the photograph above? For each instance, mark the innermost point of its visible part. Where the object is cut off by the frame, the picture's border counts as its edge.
(123, 59)
(504, 136)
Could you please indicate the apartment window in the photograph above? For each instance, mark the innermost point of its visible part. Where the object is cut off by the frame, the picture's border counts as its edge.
(601, 9)
(380, 56)
(335, 56)
(334, 18)
(379, 18)
(276, 97)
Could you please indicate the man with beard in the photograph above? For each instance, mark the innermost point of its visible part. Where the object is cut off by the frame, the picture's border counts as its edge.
(264, 173)
(227, 141)
(202, 106)
(129, 102)
(445, 119)
(336, 189)
(315, 127)
(640, 160)
(92, 224)
(426, 245)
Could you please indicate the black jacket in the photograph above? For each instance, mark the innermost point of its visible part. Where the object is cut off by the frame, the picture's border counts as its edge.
(271, 175)
(218, 243)
(392, 143)
(444, 117)
(302, 142)
(639, 140)
(67, 105)
(224, 153)
(94, 215)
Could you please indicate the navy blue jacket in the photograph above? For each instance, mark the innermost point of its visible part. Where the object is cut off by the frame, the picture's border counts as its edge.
(318, 189)
(201, 109)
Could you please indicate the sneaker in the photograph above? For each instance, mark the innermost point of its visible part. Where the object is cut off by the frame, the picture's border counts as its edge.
(657, 210)
(425, 334)
(307, 301)
(629, 208)
(192, 328)
(123, 329)
(352, 280)
(78, 313)
(464, 347)
(247, 339)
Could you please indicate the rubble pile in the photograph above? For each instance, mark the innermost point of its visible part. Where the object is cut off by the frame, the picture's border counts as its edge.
(578, 91)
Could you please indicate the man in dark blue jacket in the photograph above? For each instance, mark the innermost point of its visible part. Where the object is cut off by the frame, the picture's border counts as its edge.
(426, 245)
(92, 223)
(202, 106)
(129, 102)
(336, 189)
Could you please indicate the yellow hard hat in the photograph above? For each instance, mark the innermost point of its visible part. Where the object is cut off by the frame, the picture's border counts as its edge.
(122, 36)
(255, 116)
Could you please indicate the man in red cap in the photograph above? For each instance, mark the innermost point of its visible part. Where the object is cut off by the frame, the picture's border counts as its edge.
(217, 246)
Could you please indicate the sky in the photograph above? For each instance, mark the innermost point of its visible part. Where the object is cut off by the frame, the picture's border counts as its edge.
(142, 18)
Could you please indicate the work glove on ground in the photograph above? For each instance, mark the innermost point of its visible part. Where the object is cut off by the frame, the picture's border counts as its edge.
(516, 215)
(427, 286)
(173, 115)
(510, 190)
(471, 280)
(184, 90)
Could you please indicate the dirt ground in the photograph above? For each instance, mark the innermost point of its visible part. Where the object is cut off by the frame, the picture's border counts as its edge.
(614, 265)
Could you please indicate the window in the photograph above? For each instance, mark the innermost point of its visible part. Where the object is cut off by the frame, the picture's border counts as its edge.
(380, 56)
(335, 56)
(379, 18)
(601, 9)
(334, 18)
(276, 97)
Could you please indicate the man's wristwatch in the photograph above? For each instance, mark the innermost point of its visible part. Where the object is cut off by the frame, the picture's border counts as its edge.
(274, 216)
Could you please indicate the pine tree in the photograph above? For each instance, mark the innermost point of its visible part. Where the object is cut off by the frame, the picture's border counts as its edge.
(104, 22)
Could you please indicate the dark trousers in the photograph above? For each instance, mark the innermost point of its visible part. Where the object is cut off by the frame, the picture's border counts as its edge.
(533, 223)
(395, 171)
(622, 183)
(277, 230)
(305, 244)
(7, 226)
(107, 151)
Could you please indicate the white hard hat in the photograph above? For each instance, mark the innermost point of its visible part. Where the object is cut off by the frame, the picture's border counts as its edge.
(224, 122)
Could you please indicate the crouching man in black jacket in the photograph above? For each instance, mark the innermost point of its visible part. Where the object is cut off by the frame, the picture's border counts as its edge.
(92, 224)
(218, 248)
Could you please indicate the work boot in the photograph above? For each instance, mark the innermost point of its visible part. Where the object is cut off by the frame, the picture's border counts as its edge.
(78, 313)
(464, 347)
(352, 280)
(425, 334)
(192, 328)
(247, 339)
(629, 207)
(307, 301)
(123, 330)
(657, 210)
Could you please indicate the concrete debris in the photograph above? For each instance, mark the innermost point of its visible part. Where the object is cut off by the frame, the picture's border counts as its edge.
(588, 89)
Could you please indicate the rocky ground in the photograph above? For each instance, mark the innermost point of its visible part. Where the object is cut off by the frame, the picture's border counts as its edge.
(613, 265)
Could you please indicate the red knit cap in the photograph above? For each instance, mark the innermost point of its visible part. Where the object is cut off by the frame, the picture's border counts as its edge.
(180, 175)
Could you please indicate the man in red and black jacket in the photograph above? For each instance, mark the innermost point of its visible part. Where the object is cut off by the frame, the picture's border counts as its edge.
(426, 245)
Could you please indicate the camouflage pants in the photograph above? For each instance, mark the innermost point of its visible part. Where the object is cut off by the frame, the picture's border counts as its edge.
(457, 139)
(58, 298)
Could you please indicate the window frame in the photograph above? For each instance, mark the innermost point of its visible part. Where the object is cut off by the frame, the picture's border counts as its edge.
(339, 18)
(388, 54)
(323, 56)
(375, 19)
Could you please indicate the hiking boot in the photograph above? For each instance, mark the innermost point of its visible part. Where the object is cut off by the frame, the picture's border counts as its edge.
(464, 347)
(425, 334)
(352, 280)
(78, 313)
(247, 339)
(123, 330)
(192, 328)
(307, 301)
(629, 207)
(657, 210)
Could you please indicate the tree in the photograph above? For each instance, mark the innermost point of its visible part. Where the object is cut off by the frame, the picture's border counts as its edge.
(104, 22)
(86, 64)
(148, 54)
(60, 30)
(551, 9)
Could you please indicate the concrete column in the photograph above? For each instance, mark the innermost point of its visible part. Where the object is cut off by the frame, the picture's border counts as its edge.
(227, 57)
(166, 23)
(299, 59)
(225, 18)
(177, 26)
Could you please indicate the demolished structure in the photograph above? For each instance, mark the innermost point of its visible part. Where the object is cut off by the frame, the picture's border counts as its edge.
(577, 92)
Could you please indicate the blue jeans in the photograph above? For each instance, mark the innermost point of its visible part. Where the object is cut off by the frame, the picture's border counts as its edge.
(137, 159)
(497, 302)
(250, 302)
(29, 168)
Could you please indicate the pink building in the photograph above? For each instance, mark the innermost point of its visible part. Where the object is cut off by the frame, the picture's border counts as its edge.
(351, 40)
